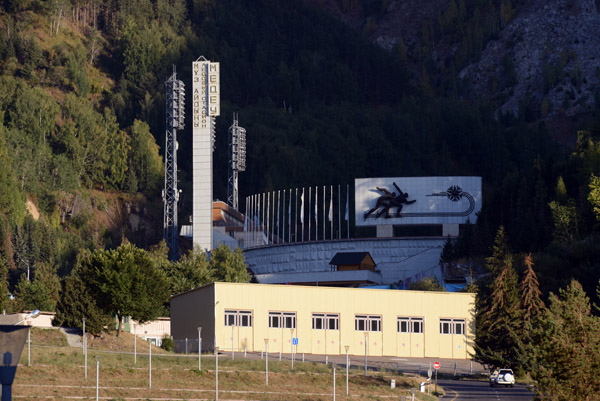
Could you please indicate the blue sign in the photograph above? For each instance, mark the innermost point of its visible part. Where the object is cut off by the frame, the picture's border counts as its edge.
(295, 341)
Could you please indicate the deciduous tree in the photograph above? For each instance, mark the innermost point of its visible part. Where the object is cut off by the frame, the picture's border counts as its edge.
(126, 282)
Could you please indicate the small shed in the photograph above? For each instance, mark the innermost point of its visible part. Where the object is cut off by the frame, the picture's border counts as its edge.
(345, 261)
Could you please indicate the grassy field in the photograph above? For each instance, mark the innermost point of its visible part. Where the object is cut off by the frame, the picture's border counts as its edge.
(57, 371)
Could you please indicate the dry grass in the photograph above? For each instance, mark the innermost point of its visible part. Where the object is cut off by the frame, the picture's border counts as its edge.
(58, 371)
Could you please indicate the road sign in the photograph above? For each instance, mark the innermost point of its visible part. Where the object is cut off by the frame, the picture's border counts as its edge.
(295, 341)
(436, 365)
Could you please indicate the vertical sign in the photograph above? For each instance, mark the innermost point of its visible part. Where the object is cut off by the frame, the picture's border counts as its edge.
(205, 107)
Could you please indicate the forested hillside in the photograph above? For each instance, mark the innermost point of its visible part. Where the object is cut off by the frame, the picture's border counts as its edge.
(82, 102)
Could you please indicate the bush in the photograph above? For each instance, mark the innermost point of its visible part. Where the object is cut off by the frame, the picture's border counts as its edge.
(167, 344)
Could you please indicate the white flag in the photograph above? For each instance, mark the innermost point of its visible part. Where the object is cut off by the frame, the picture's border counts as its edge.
(331, 207)
(302, 207)
(316, 205)
(347, 196)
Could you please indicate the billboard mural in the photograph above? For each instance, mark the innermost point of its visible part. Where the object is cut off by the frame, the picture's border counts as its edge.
(417, 200)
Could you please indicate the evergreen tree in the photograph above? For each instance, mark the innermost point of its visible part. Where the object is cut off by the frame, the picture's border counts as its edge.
(498, 315)
(501, 255)
(568, 348)
(42, 292)
(76, 303)
(532, 308)
(497, 342)
(531, 301)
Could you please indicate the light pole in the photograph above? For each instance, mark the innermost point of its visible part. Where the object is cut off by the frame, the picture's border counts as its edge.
(97, 375)
(333, 364)
(347, 348)
(267, 359)
(366, 337)
(134, 346)
(217, 373)
(31, 315)
(84, 349)
(232, 335)
(149, 363)
(292, 346)
(199, 348)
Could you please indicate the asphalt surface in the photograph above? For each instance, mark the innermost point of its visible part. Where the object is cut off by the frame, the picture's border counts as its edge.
(459, 390)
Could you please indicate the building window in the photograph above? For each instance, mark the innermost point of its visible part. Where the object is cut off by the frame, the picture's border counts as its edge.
(245, 319)
(241, 318)
(410, 324)
(452, 326)
(286, 320)
(459, 326)
(325, 321)
(367, 323)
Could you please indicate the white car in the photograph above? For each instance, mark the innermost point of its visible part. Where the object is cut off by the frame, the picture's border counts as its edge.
(505, 377)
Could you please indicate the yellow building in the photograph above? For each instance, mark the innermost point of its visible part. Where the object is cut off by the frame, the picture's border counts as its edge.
(326, 319)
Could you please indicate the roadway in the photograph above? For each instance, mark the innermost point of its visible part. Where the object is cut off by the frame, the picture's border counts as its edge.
(459, 390)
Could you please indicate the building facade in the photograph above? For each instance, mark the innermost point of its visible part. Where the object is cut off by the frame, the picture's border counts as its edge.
(324, 320)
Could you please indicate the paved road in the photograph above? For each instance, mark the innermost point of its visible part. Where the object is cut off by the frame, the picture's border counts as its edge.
(459, 390)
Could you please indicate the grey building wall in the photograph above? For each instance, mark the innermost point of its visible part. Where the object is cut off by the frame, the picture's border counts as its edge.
(397, 258)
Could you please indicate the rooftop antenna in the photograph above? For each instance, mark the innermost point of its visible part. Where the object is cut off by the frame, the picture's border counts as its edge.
(175, 112)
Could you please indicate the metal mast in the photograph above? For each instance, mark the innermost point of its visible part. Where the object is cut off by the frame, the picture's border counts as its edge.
(175, 94)
(237, 160)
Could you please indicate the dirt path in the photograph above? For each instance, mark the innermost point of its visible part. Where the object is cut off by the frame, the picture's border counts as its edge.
(73, 337)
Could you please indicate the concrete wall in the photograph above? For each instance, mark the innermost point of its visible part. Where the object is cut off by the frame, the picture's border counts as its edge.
(44, 320)
(190, 310)
(396, 258)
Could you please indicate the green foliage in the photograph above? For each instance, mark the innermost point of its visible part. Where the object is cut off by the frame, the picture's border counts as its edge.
(426, 284)
(501, 255)
(594, 195)
(228, 266)
(191, 271)
(498, 318)
(568, 343)
(42, 292)
(565, 221)
(144, 162)
(167, 344)
(498, 328)
(125, 282)
(77, 302)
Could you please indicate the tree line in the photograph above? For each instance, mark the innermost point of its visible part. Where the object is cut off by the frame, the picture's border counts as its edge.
(556, 343)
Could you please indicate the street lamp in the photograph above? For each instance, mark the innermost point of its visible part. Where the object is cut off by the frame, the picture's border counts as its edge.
(267, 359)
(347, 348)
(31, 315)
(12, 341)
(199, 348)
(366, 338)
